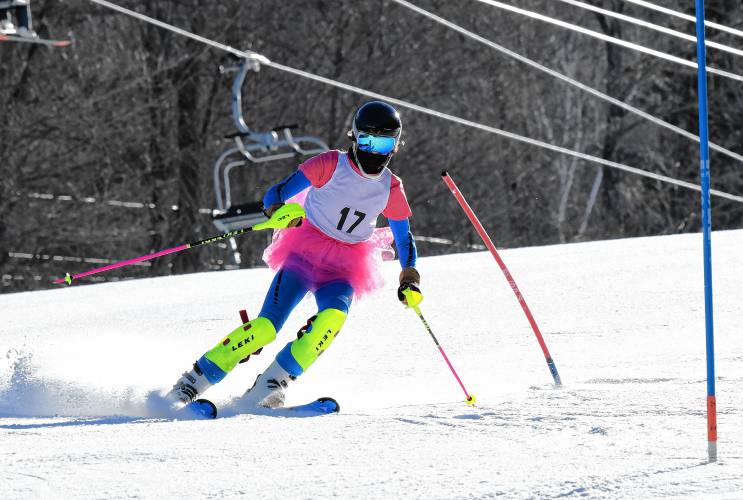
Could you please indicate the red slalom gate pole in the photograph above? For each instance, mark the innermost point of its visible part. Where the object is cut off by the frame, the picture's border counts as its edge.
(489, 243)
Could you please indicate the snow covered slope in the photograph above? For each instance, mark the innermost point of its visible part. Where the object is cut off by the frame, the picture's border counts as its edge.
(624, 321)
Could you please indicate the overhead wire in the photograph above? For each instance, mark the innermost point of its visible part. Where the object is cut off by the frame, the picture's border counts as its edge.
(405, 104)
(564, 78)
(610, 39)
(686, 17)
(111, 203)
(494, 130)
(67, 258)
(652, 26)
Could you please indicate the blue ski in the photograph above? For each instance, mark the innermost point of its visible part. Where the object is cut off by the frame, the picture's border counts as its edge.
(201, 409)
(319, 407)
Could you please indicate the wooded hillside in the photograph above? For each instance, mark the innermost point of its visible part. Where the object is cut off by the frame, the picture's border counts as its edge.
(133, 113)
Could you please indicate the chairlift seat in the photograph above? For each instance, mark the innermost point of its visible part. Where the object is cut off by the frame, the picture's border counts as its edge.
(7, 4)
(251, 147)
(239, 216)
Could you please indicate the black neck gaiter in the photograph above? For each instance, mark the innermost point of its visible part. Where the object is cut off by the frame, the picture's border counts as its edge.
(370, 163)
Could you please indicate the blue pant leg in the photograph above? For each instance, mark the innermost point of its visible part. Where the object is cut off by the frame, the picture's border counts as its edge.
(286, 291)
(337, 295)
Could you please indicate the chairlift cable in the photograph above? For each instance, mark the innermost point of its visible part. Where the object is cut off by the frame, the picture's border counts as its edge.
(565, 78)
(405, 104)
(686, 17)
(610, 39)
(111, 203)
(239, 53)
(649, 25)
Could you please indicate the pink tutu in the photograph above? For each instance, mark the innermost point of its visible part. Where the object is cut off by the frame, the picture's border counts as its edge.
(320, 259)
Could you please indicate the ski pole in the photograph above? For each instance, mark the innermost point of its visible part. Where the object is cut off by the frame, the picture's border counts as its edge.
(279, 220)
(489, 243)
(470, 397)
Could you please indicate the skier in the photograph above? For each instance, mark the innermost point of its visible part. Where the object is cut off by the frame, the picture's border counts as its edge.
(22, 10)
(328, 253)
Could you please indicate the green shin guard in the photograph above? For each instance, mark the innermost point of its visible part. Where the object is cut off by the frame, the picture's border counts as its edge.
(309, 345)
(241, 343)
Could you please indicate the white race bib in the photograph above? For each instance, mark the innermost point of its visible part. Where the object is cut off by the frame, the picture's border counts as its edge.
(347, 206)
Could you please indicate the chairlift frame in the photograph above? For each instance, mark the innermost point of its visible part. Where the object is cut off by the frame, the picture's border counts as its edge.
(251, 147)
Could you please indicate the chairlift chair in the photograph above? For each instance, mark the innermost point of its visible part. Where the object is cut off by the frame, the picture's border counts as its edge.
(8, 25)
(251, 147)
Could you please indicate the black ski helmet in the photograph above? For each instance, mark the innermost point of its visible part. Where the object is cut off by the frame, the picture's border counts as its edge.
(376, 118)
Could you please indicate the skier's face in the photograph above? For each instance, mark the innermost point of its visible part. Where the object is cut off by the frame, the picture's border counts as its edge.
(371, 164)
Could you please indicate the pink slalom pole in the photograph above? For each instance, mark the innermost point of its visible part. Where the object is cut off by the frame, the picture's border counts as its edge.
(69, 278)
(446, 358)
(470, 398)
(489, 244)
(287, 215)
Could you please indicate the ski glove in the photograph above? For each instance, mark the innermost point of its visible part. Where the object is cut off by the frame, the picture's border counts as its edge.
(410, 282)
(272, 210)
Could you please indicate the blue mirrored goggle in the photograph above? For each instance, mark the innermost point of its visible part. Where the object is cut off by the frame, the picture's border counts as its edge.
(378, 144)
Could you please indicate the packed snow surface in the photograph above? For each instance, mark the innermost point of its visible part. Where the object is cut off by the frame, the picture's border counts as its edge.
(624, 321)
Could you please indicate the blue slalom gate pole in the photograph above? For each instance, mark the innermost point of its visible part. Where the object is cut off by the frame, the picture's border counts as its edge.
(706, 231)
